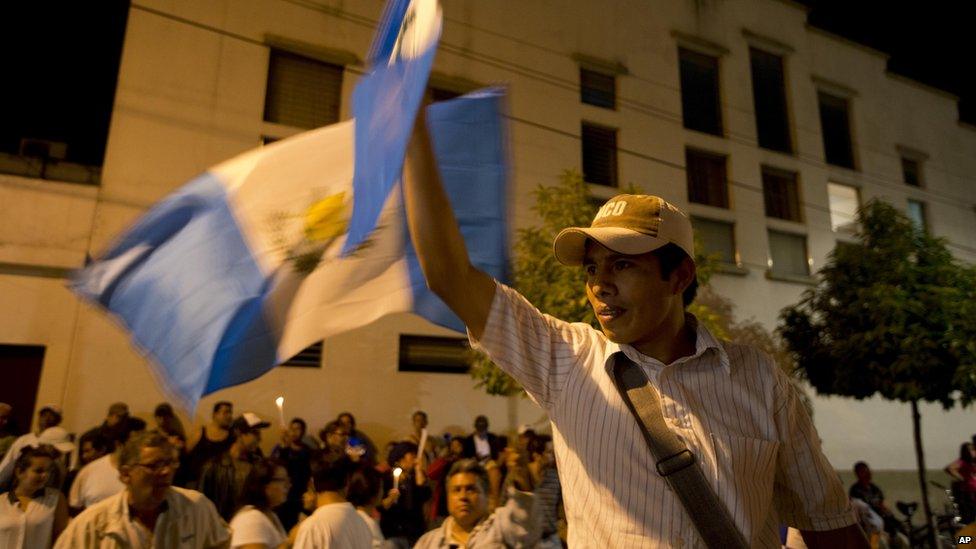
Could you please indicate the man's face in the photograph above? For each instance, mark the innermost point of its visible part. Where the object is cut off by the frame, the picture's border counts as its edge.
(863, 474)
(48, 419)
(88, 453)
(250, 440)
(419, 421)
(114, 419)
(347, 421)
(4, 417)
(295, 432)
(224, 416)
(481, 425)
(630, 300)
(337, 439)
(150, 477)
(466, 499)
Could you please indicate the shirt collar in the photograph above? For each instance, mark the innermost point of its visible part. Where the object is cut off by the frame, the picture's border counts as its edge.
(13, 496)
(704, 341)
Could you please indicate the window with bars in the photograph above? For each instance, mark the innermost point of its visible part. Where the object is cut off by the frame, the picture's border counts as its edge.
(599, 154)
(788, 254)
(444, 355)
(717, 237)
(911, 171)
(835, 124)
(309, 357)
(700, 103)
(597, 88)
(844, 202)
(781, 194)
(302, 92)
(916, 212)
(769, 101)
(707, 183)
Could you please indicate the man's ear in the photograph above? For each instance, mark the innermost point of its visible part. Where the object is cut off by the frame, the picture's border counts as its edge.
(682, 276)
(125, 472)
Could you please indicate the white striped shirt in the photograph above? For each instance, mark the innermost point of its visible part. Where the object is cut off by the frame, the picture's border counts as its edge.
(734, 408)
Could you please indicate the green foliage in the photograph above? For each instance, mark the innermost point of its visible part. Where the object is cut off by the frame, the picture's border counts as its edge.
(892, 314)
(558, 290)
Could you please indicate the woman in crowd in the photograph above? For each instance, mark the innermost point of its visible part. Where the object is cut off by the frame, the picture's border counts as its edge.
(31, 514)
(963, 470)
(402, 510)
(255, 525)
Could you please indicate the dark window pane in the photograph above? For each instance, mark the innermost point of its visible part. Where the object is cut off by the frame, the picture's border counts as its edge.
(707, 182)
(598, 89)
(836, 127)
(700, 106)
(441, 94)
(302, 92)
(448, 355)
(911, 171)
(788, 253)
(769, 101)
(781, 194)
(599, 155)
(310, 357)
(716, 237)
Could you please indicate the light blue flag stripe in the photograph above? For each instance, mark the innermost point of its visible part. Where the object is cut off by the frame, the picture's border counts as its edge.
(468, 137)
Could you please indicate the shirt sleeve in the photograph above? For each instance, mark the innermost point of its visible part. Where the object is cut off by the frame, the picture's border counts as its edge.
(519, 519)
(251, 526)
(74, 495)
(217, 533)
(534, 348)
(808, 492)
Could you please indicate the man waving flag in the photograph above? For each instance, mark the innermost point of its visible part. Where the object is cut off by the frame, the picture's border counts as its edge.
(268, 252)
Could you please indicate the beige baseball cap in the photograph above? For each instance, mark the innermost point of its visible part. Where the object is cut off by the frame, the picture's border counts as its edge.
(630, 224)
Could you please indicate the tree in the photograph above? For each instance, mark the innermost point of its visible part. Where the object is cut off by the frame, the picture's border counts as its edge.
(557, 290)
(892, 314)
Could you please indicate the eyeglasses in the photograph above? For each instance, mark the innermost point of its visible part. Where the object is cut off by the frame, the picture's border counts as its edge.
(158, 466)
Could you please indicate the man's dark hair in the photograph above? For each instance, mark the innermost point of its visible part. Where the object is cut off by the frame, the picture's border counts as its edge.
(30, 452)
(330, 471)
(400, 450)
(469, 466)
(671, 256)
(330, 428)
(364, 486)
(301, 422)
(253, 491)
(860, 465)
(132, 450)
(352, 418)
(221, 404)
(965, 454)
(535, 446)
(100, 443)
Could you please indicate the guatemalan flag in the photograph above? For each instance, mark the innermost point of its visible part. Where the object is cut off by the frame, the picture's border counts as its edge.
(282, 246)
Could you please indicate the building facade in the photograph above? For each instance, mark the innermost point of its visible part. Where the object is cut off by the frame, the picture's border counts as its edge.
(769, 132)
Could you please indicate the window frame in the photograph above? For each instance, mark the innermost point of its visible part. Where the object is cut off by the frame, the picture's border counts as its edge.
(760, 105)
(691, 55)
(614, 162)
(708, 156)
(403, 359)
(772, 272)
(611, 102)
(797, 204)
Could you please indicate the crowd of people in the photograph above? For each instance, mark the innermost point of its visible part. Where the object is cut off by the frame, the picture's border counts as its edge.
(876, 516)
(130, 484)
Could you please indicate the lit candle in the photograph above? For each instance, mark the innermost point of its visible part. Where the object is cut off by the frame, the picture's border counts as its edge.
(280, 402)
(396, 478)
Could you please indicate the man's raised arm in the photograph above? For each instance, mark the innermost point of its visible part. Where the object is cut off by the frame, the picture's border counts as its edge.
(434, 231)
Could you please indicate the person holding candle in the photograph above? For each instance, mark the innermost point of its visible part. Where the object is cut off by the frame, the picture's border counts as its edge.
(402, 510)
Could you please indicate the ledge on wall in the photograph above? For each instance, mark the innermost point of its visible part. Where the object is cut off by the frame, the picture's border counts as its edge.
(806, 280)
(731, 269)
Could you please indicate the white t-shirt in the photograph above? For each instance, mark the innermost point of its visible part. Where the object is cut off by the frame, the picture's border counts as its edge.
(334, 525)
(96, 481)
(250, 525)
(374, 527)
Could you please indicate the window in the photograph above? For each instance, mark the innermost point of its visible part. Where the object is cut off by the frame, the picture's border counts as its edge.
(788, 254)
(599, 155)
(836, 127)
(707, 182)
(717, 238)
(598, 89)
(769, 101)
(844, 202)
(302, 92)
(310, 357)
(448, 355)
(700, 105)
(916, 212)
(442, 94)
(21, 366)
(781, 194)
(911, 171)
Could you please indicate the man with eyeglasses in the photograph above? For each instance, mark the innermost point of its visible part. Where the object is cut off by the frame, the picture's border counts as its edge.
(150, 512)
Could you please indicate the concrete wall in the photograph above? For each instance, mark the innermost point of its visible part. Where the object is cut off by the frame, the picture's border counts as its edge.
(192, 94)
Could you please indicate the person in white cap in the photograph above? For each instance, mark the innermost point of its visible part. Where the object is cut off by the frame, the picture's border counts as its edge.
(48, 416)
(740, 418)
